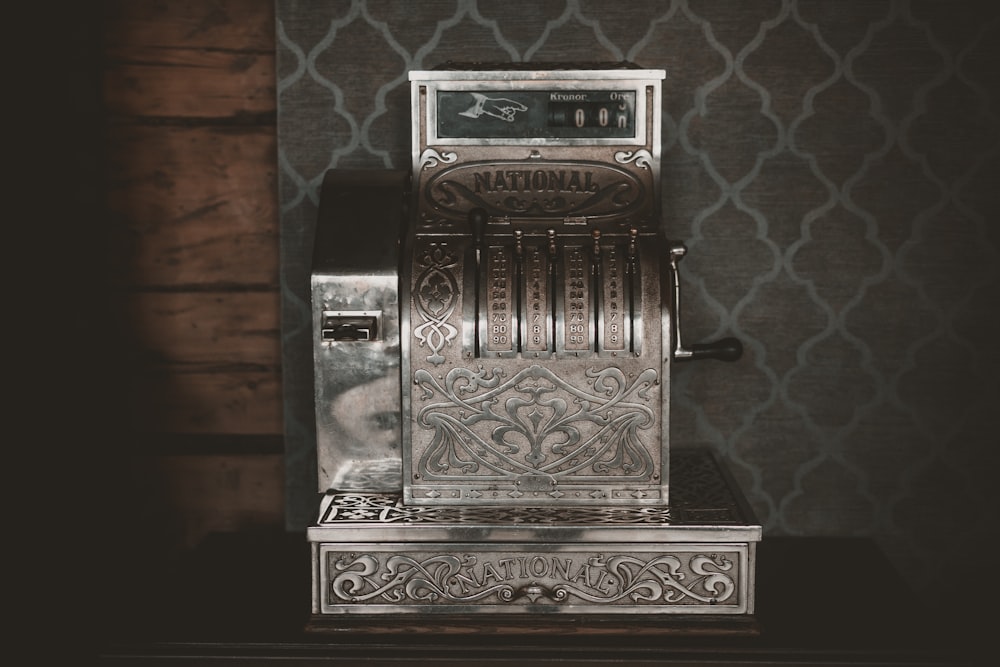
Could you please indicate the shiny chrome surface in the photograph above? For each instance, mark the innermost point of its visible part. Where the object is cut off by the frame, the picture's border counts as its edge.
(625, 578)
(375, 554)
(355, 299)
(495, 423)
(528, 177)
(535, 369)
(705, 507)
(493, 362)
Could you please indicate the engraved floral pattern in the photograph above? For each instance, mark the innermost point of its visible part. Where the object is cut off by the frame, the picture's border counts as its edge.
(535, 423)
(532, 578)
(435, 298)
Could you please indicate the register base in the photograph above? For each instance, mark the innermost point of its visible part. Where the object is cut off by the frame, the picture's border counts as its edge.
(690, 564)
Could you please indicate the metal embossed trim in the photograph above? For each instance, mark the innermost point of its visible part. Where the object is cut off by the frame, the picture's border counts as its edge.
(435, 296)
(539, 425)
(389, 509)
(698, 495)
(431, 158)
(642, 158)
(535, 188)
(610, 578)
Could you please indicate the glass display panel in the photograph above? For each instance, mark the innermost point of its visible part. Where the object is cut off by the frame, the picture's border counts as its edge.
(528, 114)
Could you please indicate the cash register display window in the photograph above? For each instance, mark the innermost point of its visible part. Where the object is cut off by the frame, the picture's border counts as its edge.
(541, 114)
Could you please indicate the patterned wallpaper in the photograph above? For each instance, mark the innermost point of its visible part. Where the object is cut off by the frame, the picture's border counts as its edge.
(833, 168)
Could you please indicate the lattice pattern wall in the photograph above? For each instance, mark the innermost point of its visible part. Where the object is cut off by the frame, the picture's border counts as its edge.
(833, 168)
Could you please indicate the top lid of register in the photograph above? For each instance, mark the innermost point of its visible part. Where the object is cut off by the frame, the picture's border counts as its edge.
(538, 70)
(537, 141)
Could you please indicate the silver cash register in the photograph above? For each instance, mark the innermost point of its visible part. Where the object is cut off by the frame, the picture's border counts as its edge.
(494, 330)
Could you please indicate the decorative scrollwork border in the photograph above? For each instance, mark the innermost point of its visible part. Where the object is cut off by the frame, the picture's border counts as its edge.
(641, 157)
(462, 578)
(435, 297)
(431, 158)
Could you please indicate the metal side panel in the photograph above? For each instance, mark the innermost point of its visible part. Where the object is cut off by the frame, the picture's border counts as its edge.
(355, 319)
(617, 578)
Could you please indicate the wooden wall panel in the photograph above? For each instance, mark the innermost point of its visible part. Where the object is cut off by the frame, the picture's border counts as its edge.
(195, 205)
(226, 401)
(207, 362)
(223, 25)
(214, 329)
(164, 82)
(188, 90)
(190, 59)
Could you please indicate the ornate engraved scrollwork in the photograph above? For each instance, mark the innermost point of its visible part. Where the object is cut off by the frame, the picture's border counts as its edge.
(404, 578)
(431, 158)
(519, 188)
(388, 509)
(435, 296)
(530, 578)
(641, 157)
(535, 425)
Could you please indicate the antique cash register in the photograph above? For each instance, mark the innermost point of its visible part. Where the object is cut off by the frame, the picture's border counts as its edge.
(494, 331)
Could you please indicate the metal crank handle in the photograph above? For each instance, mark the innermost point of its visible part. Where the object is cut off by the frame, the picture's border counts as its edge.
(725, 349)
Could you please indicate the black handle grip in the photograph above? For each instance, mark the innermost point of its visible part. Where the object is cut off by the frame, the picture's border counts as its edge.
(725, 349)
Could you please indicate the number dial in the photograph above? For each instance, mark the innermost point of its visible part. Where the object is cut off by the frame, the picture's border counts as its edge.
(537, 316)
(614, 314)
(498, 328)
(577, 321)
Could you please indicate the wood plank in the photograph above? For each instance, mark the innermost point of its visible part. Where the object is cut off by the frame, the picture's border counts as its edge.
(219, 402)
(189, 59)
(189, 96)
(205, 362)
(172, 82)
(234, 25)
(201, 330)
(194, 205)
(201, 494)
